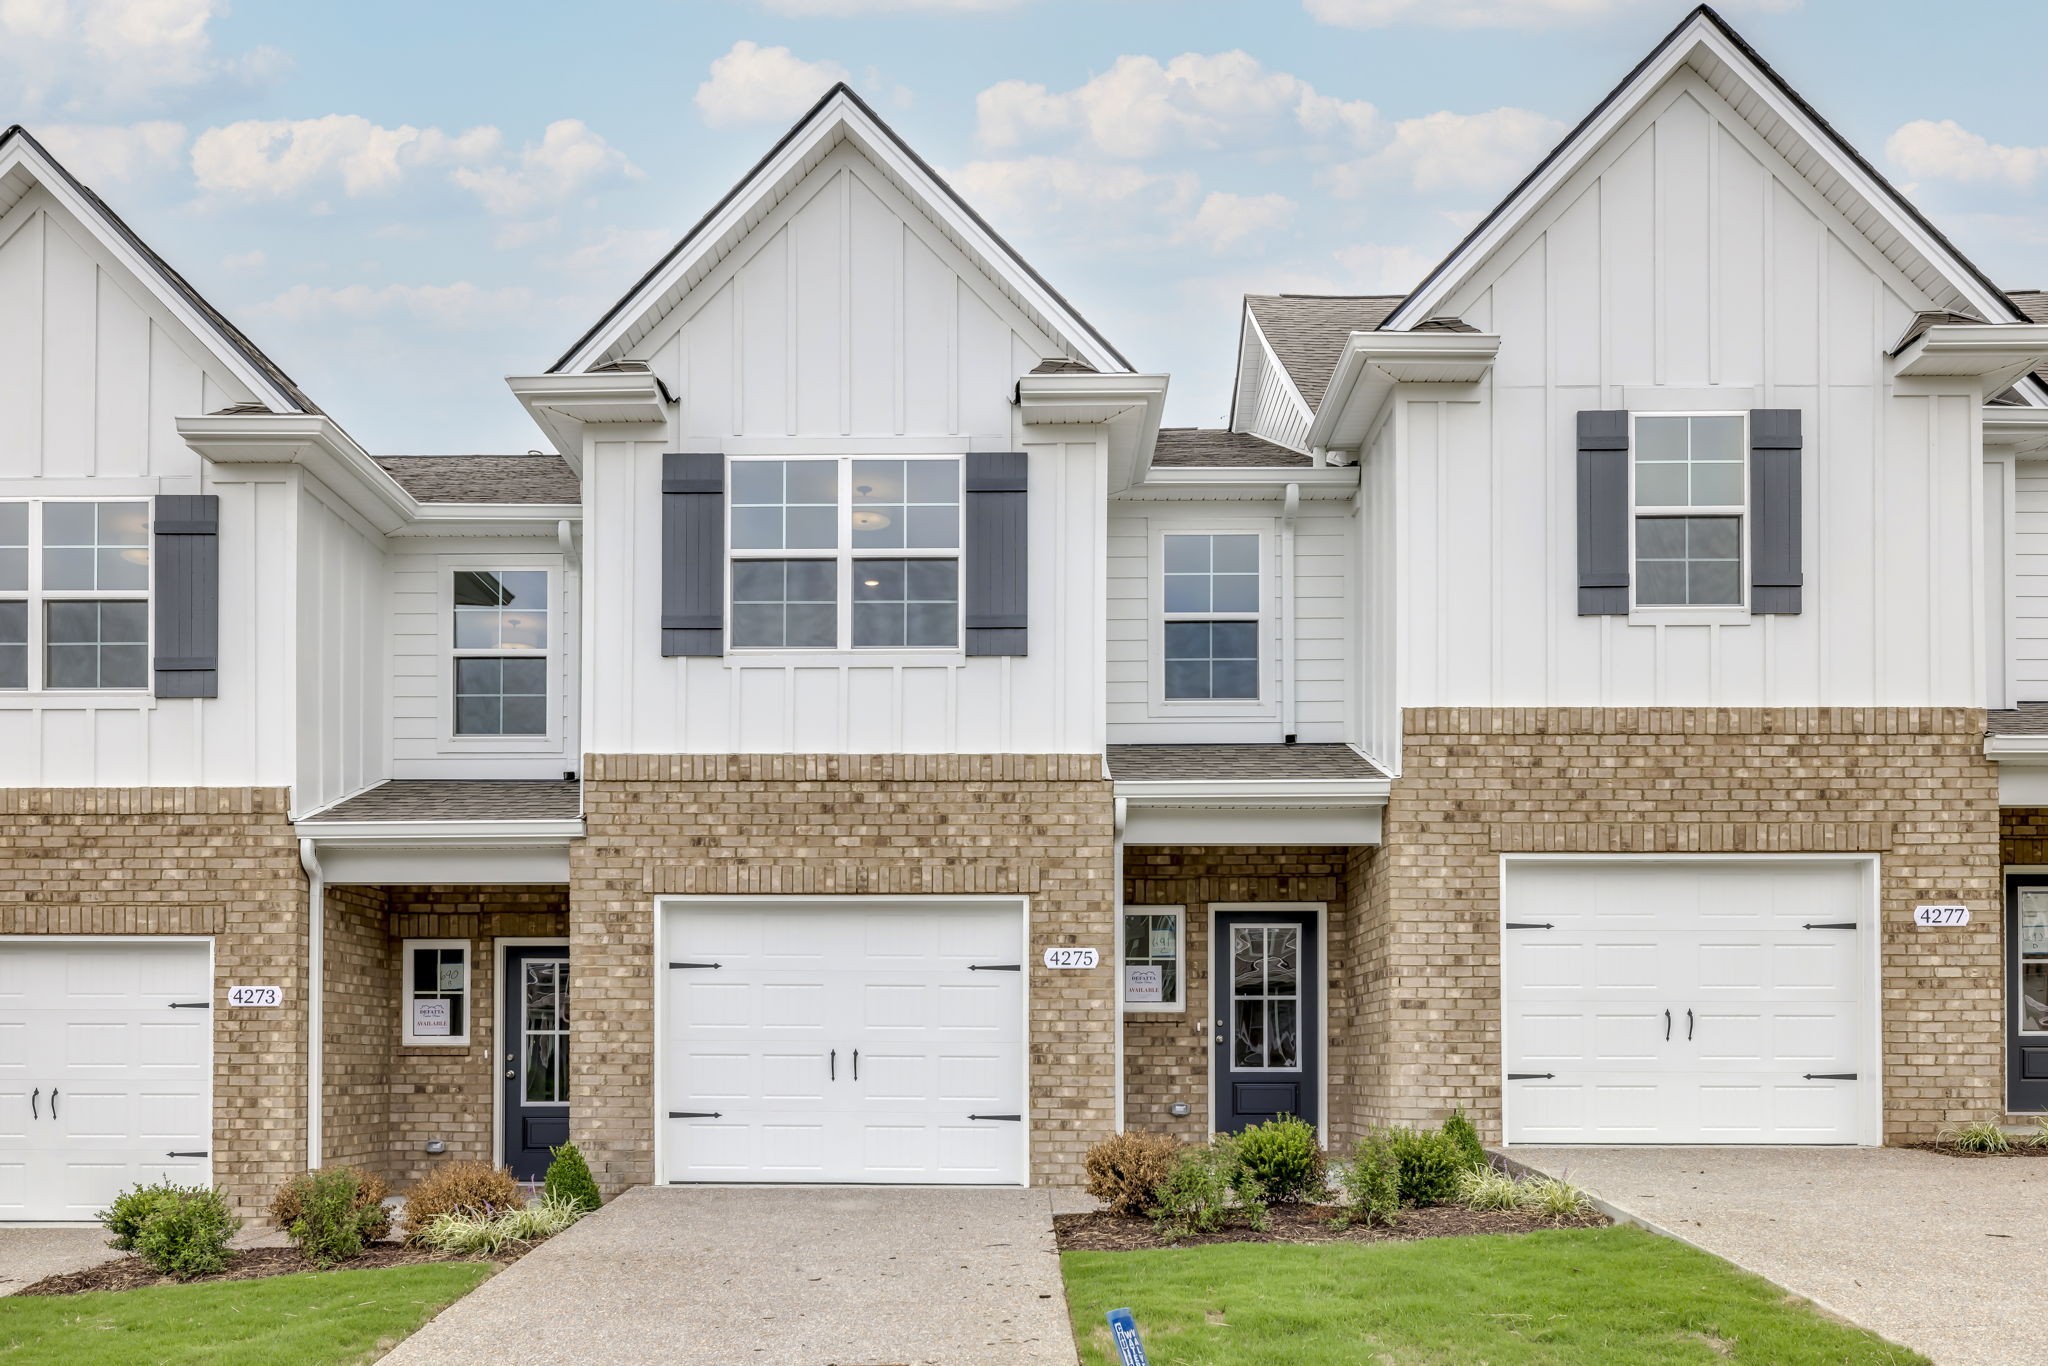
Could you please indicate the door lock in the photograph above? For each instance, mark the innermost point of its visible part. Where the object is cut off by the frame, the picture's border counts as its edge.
(508, 1073)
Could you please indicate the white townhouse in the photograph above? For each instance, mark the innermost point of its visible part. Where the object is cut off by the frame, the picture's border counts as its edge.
(1605, 688)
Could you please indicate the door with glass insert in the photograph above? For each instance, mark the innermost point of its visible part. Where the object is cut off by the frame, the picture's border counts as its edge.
(2026, 990)
(535, 1057)
(1264, 993)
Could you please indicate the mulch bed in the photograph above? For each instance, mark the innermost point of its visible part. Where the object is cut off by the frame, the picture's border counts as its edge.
(1101, 1232)
(132, 1273)
(2020, 1148)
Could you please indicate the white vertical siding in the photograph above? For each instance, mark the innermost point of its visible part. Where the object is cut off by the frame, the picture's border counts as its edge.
(2028, 641)
(1375, 607)
(342, 707)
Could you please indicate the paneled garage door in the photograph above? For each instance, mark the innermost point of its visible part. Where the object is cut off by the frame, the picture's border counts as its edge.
(106, 1071)
(859, 1041)
(1697, 1001)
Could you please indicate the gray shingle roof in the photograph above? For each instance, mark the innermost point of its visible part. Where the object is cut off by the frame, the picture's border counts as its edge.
(2033, 303)
(485, 478)
(459, 799)
(1062, 365)
(1206, 448)
(1307, 331)
(1240, 763)
(2029, 718)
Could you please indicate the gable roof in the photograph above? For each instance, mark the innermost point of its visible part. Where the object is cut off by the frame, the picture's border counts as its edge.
(1706, 41)
(484, 478)
(25, 162)
(839, 115)
(1306, 331)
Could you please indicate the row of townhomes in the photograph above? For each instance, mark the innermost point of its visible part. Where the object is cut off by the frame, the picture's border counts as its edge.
(1604, 687)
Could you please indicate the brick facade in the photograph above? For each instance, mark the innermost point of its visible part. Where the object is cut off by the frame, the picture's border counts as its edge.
(1038, 826)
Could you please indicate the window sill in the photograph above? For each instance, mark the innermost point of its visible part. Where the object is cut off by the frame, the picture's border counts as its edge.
(120, 699)
(946, 656)
(1130, 1009)
(434, 1043)
(1690, 616)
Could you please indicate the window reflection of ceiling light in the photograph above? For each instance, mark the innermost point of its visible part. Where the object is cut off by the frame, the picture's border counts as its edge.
(867, 519)
(871, 583)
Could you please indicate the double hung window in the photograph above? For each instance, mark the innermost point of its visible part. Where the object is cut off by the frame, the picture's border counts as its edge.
(834, 552)
(74, 594)
(1691, 499)
(1211, 598)
(502, 649)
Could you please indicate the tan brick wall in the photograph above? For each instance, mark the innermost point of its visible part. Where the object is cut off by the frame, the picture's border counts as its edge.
(1038, 826)
(1909, 784)
(194, 861)
(359, 1004)
(1166, 1056)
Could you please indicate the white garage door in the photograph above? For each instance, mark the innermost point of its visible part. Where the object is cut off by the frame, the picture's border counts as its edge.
(106, 1072)
(859, 1042)
(1706, 1001)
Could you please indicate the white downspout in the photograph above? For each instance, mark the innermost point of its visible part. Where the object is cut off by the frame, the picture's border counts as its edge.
(1288, 511)
(316, 993)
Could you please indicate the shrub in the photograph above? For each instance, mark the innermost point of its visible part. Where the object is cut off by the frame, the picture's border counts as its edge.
(333, 1223)
(131, 1209)
(473, 1235)
(1429, 1163)
(370, 1191)
(1459, 1130)
(187, 1234)
(1485, 1188)
(2039, 1138)
(1206, 1185)
(1555, 1198)
(1984, 1136)
(1372, 1181)
(1286, 1160)
(569, 1179)
(1125, 1170)
(469, 1187)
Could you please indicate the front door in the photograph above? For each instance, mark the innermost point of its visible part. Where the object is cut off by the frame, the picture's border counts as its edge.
(2026, 991)
(1264, 987)
(536, 1057)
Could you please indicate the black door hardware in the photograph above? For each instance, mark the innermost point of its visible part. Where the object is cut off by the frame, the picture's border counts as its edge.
(1667, 1026)
(1013, 1118)
(33, 1112)
(693, 1114)
(1829, 925)
(856, 1064)
(995, 967)
(696, 965)
(832, 1066)
(1530, 925)
(191, 1005)
(184, 1154)
(53, 1102)
(1688, 1026)
(1830, 1076)
(1531, 1076)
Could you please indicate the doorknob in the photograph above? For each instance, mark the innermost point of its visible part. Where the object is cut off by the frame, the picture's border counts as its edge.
(508, 1073)
(1219, 1033)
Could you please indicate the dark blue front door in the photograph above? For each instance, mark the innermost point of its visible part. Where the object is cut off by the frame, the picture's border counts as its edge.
(536, 1057)
(1265, 986)
(2026, 991)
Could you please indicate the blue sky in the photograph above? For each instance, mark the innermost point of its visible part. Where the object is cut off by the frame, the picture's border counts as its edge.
(404, 203)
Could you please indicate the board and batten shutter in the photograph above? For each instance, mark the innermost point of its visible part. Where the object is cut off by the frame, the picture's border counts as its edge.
(1775, 570)
(693, 553)
(185, 535)
(1603, 513)
(996, 593)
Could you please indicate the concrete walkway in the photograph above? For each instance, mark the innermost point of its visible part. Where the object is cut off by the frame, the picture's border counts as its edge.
(29, 1252)
(1945, 1255)
(849, 1276)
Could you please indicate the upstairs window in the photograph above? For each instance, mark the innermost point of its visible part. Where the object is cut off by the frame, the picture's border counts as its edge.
(1211, 599)
(1691, 499)
(856, 552)
(74, 595)
(502, 652)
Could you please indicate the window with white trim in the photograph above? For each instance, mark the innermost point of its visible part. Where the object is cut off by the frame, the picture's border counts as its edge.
(1690, 473)
(1154, 951)
(74, 594)
(502, 648)
(435, 991)
(1210, 596)
(836, 551)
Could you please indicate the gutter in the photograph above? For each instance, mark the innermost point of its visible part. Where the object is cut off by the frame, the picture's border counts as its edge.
(1254, 792)
(2016, 749)
(440, 832)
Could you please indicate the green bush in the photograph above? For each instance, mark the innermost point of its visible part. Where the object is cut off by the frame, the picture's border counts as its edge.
(1205, 1186)
(187, 1234)
(1984, 1136)
(2039, 1138)
(333, 1223)
(1485, 1188)
(1372, 1181)
(131, 1209)
(1284, 1157)
(1459, 1130)
(475, 1235)
(1558, 1199)
(569, 1179)
(1429, 1162)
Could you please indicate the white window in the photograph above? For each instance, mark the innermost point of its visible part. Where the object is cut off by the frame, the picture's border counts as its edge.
(1153, 955)
(502, 643)
(827, 552)
(1210, 593)
(1691, 494)
(74, 594)
(436, 991)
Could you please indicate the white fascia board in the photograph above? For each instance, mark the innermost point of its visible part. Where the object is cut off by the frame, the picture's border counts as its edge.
(1255, 793)
(1996, 353)
(533, 863)
(1132, 405)
(1191, 825)
(311, 440)
(2014, 431)
(491, 519)
(1696, 34)
(1372, 363)
(2026, 750)
(1176, 484)
(439, 832)
(562, 405)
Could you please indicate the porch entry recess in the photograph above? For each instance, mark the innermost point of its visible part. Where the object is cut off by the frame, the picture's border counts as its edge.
(2026, 991)
(534, 1058)
(1267, 1027)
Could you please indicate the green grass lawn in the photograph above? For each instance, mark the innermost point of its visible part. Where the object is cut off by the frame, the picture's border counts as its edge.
(1590, 1297)
(311, 1319)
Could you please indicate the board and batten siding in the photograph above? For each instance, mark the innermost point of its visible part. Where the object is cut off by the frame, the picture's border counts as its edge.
(1375, 607)
(1688, 267)
(342, 706)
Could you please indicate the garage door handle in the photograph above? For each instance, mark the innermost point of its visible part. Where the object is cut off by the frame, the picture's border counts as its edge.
(1829, 925)
(53, 1102)
(693, 1114)
(1531, 1076)
(184, 1154)
(1830, 1076)
(1012, 1118)
(995, 967)
(1667, 1026)
(34, 1096)
(191, 1005)
(696, 965)
(1688, 1026)
(856, 1064)
(1529, 925)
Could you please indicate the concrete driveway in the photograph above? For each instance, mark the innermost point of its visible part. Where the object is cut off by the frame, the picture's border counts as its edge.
(29, 1252)
(845, 1275)
(1946, 1255)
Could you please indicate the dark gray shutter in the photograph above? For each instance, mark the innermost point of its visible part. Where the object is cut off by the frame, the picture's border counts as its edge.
(1603, 513)
(693, 553)
(186, 530)
(997, 589)
(1775, 571)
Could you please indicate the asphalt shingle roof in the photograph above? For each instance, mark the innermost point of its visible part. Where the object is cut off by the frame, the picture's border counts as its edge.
(1307, 331)
(1062, 365)
(2028, 718)
(1207, 448)
(1240, 763)
(485, 478)
(459, 799)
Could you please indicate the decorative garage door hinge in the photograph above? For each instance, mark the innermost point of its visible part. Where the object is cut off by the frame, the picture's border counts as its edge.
(696, 965)
(1531, 1076)
(1829, 925)
(185, 1154)
(1830, 1076)
(693, 1114)
(1012, 1118)
(1530, 925)
(191, 1005)
(995, 967)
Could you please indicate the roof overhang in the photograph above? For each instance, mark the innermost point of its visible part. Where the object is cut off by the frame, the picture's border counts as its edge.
(1230, 484)
(2029, 750)
(563, 405)
(1995, 353)
(1372, 363)
(1132, 407)
(1239, 811)
(2012, 430)
(522, 852)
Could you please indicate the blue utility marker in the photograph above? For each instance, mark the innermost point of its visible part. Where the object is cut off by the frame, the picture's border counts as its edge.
(1130, 1348)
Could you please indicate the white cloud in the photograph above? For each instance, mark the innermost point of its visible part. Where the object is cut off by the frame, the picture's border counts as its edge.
(850, 9)
(1373, 268)
(751, 83)
(1491, 13)
(277, 157)
(1140, 107)
(1949, 151)
(102, 54)
(1226, 219)
(616, 250)
(568, 157)
(513, 235)
(1446, 151)
(1109, 203)
(98, 153)
(461, 304)
(244, 262)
